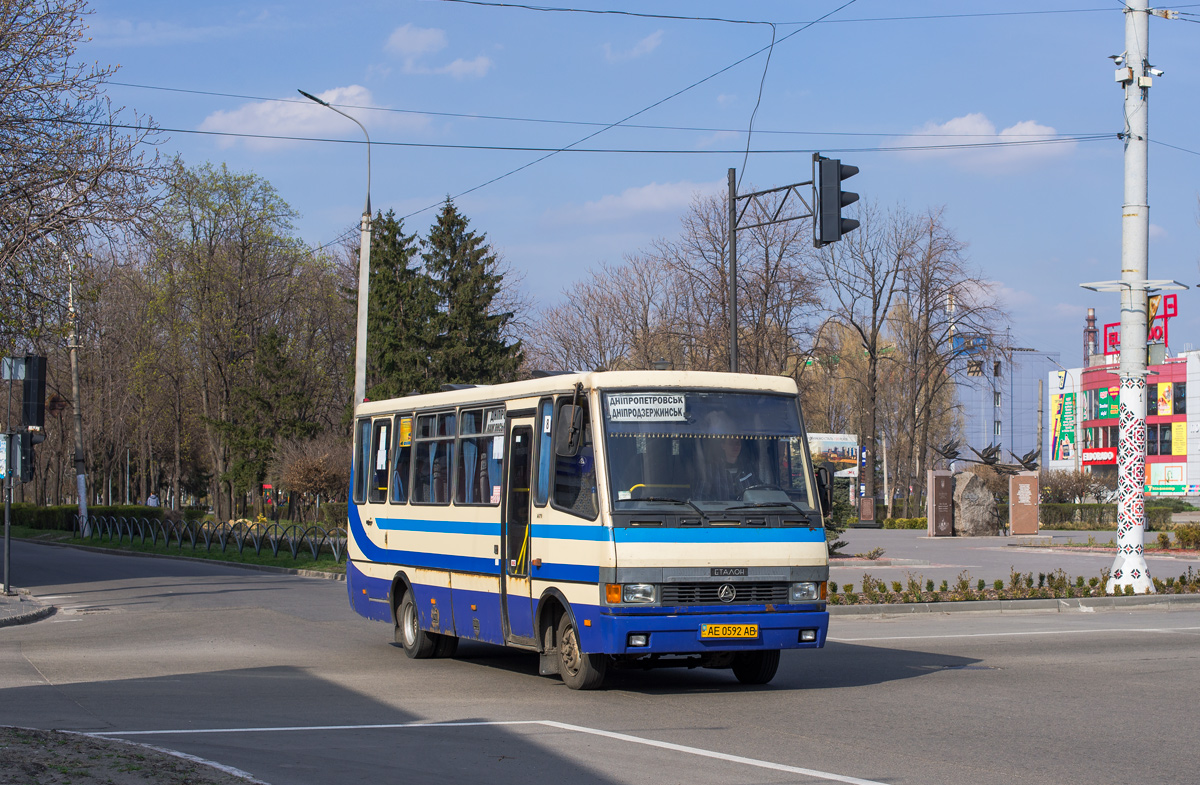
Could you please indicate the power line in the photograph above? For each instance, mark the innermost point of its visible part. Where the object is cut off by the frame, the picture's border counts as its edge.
(549, 121)
(674, 17)
(601, 150)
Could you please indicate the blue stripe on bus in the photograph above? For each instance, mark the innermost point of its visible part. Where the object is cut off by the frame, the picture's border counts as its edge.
(479, 565)
(559, 531)
(713, 534)
(438, 527)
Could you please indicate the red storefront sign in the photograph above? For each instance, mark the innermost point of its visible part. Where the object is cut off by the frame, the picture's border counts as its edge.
(1162, 308)
(1096, 456)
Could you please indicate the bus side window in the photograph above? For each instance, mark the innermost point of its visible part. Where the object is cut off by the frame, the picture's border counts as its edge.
(362, 459)
(545, 452)
(434, 449)
(575, 476)
(380, 448)
(403, 460)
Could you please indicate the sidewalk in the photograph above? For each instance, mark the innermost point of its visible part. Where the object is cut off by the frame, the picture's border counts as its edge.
(22, 608)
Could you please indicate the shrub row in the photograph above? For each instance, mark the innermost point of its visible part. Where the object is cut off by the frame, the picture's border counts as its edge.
(1020, 586)
(62, 517)
(1096, 517)
(1188, 536)
(905, 523)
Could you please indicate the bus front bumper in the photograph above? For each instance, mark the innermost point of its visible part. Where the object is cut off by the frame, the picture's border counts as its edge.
(697, 630)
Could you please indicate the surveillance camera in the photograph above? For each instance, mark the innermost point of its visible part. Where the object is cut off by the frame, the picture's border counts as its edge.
(1156, 72)
(1118, 59)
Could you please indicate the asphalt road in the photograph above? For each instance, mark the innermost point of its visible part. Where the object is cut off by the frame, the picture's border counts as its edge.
(276, 676)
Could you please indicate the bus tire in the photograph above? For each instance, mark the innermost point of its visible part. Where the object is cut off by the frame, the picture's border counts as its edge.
(579, 670)
(756, 667)
(444, 645)
(417, 643)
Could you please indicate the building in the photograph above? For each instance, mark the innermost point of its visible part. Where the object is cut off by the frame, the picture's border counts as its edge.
(999, 401)
(1084, 406)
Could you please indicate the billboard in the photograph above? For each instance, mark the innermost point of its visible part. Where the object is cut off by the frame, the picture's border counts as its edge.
(1062, 427)
(838, 451)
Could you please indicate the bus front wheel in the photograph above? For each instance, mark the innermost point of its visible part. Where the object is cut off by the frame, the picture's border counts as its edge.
(755, 667)
(579, 670)
(417, 643)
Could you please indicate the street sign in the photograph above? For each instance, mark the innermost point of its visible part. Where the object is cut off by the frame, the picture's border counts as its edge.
(12, 369)
(3, 454)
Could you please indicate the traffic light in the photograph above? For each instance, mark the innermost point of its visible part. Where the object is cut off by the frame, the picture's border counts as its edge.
(828, 223)
(33, 407)
(23, 454)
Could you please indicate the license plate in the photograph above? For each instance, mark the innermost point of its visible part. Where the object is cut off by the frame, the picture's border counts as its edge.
(728, 630)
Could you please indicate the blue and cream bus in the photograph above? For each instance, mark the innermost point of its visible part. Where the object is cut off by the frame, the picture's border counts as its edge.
(617, 519)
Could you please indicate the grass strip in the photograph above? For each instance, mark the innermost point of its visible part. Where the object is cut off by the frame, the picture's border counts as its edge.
(303, 561)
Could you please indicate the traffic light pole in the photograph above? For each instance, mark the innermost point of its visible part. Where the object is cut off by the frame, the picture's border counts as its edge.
(735, 219)
(8, 466)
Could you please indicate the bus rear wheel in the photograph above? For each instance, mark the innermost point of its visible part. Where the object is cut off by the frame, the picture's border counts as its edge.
(579, 670)
(755, 667)
(417, 643)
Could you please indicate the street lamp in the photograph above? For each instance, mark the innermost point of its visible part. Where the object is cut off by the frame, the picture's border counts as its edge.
(364, 267)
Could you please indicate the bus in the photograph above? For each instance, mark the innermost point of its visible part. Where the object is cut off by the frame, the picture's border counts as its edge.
(605, 520)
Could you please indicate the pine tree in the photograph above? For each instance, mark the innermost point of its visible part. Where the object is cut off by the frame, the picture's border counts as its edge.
(463, 271)
(402, 315)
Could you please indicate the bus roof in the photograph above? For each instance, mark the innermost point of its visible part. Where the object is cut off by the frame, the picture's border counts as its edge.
(564, 383)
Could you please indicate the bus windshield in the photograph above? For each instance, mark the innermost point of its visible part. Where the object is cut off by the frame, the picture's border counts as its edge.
(712, 450)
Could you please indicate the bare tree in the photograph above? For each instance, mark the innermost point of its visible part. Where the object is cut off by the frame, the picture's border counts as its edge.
(68, 167)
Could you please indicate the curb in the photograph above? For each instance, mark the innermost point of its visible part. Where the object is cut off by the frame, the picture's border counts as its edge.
(28, 617)
(329, 576)
(1073, 605)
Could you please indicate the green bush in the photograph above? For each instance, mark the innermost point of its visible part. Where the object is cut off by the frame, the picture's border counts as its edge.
(62, 517)
(334, 513)
(905, 523)
(1100, 517)
(1188, 536)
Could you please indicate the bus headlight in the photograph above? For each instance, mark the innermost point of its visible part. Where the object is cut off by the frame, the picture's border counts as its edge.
(809, 591)
(638, 592)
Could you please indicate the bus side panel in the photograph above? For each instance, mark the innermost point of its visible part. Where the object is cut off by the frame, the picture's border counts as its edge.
(477, 607)
(431, 593)
(368, 596)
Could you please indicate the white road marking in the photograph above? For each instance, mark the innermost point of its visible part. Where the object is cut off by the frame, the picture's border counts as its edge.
(1014, 634)
(703, 753)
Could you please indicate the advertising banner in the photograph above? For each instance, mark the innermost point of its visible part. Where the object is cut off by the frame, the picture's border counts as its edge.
(1166, 398)
(1062, 427)
(1167, 473)
(1099, 456)
(838, 451)
(1179, 438)
(1109, 403)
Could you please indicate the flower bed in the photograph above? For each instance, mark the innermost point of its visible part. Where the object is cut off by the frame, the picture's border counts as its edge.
(1020, 586)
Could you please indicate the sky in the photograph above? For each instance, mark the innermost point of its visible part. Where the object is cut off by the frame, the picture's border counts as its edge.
(871, 76)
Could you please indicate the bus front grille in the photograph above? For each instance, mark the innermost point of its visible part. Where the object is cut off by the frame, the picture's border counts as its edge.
(708, 593)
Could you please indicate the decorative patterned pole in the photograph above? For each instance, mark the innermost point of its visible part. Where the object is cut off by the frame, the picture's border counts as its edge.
(1129, 568)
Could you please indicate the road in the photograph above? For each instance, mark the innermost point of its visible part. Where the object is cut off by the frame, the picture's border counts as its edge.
(275, 675)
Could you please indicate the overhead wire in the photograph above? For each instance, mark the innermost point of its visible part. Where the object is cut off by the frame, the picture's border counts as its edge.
(543, 120)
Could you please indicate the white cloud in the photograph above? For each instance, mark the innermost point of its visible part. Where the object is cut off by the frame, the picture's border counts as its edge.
(1157, 232)
(1021, 143)
(411, 42)
(415, 44)
(725, 99)
(640, 49)
(639, 200)
(303, 118)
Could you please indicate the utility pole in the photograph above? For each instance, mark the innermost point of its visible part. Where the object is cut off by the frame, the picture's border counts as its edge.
(733, 308)
(1135, 75)
(85, 528)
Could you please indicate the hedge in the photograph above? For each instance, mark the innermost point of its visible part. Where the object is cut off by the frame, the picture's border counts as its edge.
(905, 523)
(1092, 517)
(62, 517)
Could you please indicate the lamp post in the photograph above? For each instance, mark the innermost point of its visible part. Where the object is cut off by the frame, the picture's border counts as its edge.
(364, 267)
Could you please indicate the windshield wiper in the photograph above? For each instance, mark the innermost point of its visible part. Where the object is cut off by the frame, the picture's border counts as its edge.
(760, 505)
(672, 500)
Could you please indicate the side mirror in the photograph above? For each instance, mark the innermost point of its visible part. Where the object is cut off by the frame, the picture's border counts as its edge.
(824, 491)
(570, 431)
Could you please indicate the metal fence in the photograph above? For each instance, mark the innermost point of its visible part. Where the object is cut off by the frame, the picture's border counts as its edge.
(296, 539)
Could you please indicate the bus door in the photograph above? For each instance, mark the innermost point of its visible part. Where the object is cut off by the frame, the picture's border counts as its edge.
(516, 600)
